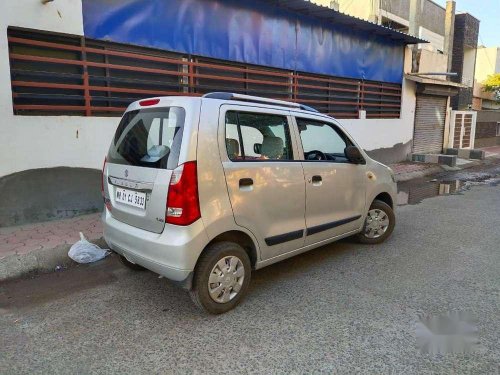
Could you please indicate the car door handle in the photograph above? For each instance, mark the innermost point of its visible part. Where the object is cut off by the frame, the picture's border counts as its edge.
(244, 182)
(316, 179)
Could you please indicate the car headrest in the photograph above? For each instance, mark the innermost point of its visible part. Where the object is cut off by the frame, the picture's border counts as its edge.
(272, 147)
(233, 148)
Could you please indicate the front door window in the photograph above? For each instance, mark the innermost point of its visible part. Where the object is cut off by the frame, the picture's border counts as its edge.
(321, 141)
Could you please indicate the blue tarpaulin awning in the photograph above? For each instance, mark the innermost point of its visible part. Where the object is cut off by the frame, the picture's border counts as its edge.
(294, 35)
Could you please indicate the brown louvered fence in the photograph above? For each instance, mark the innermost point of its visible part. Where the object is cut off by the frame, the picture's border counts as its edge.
(54, 74)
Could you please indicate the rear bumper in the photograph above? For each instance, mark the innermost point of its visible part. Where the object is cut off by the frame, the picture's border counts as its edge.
(172, 253)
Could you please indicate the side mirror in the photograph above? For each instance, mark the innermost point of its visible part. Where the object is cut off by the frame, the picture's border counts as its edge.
(257, 147)
(353, 154)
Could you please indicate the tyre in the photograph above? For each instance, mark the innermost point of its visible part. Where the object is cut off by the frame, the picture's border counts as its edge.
(379, 223)
(130, 265)
(221, 277)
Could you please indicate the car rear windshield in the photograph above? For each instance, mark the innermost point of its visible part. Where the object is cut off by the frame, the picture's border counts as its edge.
(149, 137)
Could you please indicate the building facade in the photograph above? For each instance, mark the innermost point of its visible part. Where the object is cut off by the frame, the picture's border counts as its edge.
(487, 104)
(434, 92)
(465, 39)
(488, 128)
(487, 63)
(452, 49)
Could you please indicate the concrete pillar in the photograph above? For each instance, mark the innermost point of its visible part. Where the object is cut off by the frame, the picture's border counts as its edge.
(449, 30)
(413, 29)
(375, 12)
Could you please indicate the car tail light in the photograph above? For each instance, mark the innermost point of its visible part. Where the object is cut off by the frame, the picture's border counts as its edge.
(107, 203)
(183, 207)
(148, 102)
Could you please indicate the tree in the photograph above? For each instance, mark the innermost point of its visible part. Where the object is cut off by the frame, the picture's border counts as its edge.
(492, 84)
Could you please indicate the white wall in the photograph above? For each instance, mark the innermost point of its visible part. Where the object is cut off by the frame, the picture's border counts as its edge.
(28, 142)
(434, 62)
(436, 41)
(373, 134)
(487, 62)
(468, 68)
(357, 8)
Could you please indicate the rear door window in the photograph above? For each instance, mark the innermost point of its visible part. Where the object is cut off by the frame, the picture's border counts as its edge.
(149, 137)
(257, 136)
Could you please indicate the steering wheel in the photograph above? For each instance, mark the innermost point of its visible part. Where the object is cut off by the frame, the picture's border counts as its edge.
(316, 155)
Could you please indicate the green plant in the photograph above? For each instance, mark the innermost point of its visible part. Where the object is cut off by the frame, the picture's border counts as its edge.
(492, 84)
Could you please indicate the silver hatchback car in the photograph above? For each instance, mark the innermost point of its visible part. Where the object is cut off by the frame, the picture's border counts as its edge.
(203, 190)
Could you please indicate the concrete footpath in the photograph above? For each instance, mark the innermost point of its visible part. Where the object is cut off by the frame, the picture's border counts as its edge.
(43, 247)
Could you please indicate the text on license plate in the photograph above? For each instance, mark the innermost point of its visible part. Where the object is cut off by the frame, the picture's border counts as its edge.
(132, 198)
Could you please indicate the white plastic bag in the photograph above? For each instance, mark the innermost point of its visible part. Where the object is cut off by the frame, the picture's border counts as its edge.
(85, 252)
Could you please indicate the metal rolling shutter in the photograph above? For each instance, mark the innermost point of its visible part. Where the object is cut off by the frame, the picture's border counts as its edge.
(429, 124)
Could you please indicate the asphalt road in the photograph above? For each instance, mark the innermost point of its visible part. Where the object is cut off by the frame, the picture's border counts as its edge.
(343, 308)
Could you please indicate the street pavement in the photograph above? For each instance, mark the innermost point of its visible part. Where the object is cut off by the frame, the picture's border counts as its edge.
(343, 308)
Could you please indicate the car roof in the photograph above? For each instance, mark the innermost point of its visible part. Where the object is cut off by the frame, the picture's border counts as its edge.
(231, 98)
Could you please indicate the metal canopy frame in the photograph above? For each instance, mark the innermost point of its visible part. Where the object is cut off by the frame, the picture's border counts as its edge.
(324, 13)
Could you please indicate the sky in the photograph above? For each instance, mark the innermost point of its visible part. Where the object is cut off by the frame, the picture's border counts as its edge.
(488, 12)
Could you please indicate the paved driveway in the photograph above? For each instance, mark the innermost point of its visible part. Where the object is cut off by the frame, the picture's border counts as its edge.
(344, 308)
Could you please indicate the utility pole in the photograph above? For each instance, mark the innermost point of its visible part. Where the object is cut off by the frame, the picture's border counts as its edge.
(449, 29)
(415, 11)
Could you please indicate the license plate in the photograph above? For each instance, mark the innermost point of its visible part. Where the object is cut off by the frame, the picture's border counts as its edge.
(130, 197)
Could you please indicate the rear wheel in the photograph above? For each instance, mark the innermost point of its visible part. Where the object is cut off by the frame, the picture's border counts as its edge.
(379, 223)
(221, 278)
(130, 265)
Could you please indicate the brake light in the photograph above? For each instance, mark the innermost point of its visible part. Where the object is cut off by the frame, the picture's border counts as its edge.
(148, 102)
(107, 203)
(183, 207)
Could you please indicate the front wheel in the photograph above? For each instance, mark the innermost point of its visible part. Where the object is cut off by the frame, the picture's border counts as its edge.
(379, 223)
(221, 278)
